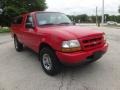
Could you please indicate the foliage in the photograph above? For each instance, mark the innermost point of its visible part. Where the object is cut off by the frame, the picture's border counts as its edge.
(79, 18)
(4, 30)
(12, 8)
(92, 19)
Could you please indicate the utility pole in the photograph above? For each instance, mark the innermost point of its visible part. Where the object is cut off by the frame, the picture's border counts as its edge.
(96, 15)
(102, 12)
(119, 9)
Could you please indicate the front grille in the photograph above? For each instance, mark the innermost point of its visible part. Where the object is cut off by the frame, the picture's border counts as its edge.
(92, 42)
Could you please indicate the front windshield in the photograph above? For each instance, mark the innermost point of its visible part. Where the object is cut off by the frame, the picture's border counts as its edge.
(52, 19)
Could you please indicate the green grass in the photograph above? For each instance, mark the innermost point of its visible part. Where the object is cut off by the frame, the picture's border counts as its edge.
(3, 30)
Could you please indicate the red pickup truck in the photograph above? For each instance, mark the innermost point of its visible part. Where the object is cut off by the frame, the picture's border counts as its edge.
(57, 40)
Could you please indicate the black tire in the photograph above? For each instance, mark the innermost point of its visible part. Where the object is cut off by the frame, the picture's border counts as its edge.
(54, 64)
(18, 45)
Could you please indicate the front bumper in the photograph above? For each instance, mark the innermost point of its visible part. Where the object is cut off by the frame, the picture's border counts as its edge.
(79, 57)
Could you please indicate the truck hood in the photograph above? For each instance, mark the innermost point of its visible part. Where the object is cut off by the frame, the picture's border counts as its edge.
(71, 32)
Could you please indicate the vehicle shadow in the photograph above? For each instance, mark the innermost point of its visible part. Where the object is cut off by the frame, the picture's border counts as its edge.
(82, 68)
(81, 77)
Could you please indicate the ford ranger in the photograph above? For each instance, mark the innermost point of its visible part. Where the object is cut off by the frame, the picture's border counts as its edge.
(57, 40)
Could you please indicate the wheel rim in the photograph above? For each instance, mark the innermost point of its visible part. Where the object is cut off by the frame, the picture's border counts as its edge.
(16, 44)
(47, 62)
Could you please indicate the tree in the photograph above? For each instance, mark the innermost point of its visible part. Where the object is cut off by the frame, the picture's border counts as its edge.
(12, 8)
(79, 18)
(119, 9)
(83, 18)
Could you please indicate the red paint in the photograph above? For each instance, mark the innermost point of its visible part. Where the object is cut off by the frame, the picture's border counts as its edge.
(78, 57)
(54, 35)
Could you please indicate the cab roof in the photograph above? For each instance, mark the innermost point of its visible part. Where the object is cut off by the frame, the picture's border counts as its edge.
(37, 12)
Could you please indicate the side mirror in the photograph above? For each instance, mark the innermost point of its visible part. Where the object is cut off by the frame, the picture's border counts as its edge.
(29, 25)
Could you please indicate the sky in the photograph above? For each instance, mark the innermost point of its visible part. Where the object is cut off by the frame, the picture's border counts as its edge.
(75, 7)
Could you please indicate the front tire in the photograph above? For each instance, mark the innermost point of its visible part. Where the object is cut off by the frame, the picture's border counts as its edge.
(18, 45)
(49, 61)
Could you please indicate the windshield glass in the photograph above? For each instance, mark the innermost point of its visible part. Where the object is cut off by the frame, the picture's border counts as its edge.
(52, 19)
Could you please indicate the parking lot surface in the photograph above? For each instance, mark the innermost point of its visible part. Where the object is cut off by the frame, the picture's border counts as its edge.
(22, 71)
(5, 38)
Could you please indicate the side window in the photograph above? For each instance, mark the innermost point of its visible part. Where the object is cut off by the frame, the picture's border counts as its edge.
(29, 22)
(17, 20)
(14, 21)
(29, 19)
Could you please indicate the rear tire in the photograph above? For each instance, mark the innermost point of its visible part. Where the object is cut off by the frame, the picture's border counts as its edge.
(49, 61)
(18, 45)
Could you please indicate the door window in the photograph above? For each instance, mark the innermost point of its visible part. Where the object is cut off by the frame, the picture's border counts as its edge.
(29, 21)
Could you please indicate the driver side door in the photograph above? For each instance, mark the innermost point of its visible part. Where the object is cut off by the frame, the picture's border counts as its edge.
(29, 34)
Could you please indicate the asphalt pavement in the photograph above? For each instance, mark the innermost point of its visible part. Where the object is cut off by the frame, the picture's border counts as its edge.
(5, 37)
(22, 71)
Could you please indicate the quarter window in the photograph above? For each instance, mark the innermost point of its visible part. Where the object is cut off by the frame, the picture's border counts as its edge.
(18, 20)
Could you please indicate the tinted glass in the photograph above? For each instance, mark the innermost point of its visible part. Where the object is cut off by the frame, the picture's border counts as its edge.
(17, 20)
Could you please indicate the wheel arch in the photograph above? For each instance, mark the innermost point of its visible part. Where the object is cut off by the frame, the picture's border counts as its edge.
(43, 44)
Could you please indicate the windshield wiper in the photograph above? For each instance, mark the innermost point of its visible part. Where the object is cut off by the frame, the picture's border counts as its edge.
(47, 24)
(55, 24)
(65, 23)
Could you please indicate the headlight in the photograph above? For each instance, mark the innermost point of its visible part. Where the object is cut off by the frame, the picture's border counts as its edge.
(70, 46)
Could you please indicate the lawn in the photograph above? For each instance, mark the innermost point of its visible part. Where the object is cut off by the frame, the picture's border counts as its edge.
(4, 30)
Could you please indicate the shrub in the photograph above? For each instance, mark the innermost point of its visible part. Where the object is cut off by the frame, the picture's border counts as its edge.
(4, 30)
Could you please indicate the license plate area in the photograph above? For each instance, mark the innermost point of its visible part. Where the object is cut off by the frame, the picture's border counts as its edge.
(95, 56)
